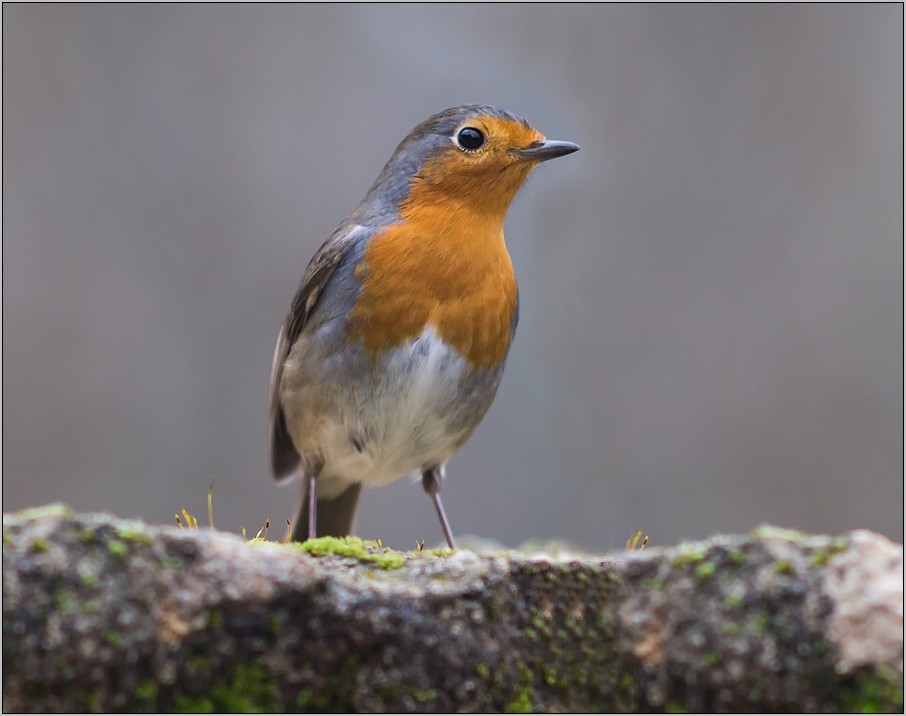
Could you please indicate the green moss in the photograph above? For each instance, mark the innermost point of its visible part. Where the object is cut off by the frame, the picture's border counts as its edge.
(146, 691)
(133, 532)
(840, 544)
(710, 659)
(39, 545)
(311, 701)
(573, 625)
(87, 535)
(171, 562)
(522, 704)
(89, 580)
(675, 707)
(438, 553)
(184, 705)
(736, 557)
(483, 670)
(651, 583)
(7, 538)
(113, 638)
(362, 550)
(822, 557)
(733, 601)
(303, 699)
(772, 532)
(873, 691)
(705, 570)
(571, 657)
(34, 513)
(215, 617)
(65, 602)
(118, 549)
(783, 566)
(249, 689)
(90, 701)
(274, 625)
(688, 555)
(762, 621)
(627, 683)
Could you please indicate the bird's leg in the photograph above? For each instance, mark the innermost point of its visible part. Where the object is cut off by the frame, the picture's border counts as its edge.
(431, 483)
(312, 505)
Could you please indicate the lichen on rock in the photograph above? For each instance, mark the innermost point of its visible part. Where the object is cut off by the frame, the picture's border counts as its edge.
(101, 614)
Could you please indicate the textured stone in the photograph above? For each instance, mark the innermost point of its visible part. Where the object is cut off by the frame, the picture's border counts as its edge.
(101, 614)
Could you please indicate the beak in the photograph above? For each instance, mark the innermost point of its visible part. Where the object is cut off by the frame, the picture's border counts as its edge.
(545, 149)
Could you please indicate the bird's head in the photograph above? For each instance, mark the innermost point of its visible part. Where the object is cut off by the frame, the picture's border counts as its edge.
(475, 156)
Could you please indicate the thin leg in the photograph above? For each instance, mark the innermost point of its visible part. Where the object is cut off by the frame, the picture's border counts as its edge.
(431, 483)
(312, 506)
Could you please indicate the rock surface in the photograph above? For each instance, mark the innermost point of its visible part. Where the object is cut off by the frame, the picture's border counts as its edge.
(102, 614)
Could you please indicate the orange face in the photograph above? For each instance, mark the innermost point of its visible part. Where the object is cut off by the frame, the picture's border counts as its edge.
(487, 177)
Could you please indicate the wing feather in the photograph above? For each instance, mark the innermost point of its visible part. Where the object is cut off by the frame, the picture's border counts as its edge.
(284, 457)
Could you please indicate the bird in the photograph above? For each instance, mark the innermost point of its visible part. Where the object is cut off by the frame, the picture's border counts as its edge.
(395, 341)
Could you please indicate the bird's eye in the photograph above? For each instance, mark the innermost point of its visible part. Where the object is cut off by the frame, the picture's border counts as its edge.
(470, 138)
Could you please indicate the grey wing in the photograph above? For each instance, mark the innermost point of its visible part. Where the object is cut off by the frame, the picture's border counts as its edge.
(284, 457)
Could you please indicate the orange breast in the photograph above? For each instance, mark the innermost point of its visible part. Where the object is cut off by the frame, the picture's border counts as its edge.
(445, 266)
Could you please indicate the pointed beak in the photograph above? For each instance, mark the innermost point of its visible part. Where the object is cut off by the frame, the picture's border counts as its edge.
(545, 149)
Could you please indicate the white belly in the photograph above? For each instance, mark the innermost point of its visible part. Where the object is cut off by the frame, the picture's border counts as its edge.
(412, 411)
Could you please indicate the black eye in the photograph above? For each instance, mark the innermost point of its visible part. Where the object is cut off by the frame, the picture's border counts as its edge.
(470, 138)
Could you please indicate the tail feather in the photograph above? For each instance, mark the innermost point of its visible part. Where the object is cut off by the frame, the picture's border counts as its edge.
(335, 514)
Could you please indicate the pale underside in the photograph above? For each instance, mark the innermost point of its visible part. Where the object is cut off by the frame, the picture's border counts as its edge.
(408, 412)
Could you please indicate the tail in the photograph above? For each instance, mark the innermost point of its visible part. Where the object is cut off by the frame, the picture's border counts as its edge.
(335, 514)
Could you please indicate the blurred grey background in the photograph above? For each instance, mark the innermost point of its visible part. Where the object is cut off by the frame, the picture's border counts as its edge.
(712, 289)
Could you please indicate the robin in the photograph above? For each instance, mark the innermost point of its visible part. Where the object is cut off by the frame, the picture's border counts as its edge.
(396, 339)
